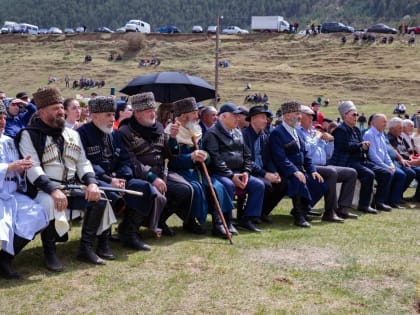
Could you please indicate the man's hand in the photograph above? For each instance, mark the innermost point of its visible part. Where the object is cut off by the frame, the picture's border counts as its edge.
(273, 178)
(365, 145)
(60, 200)
(316, 176)
(118, 183)
(240, 180)
(327, 137)
(199, 156)
(20, 165)
(300, 176)
(160, 185)
(174, 129)
(92, 193)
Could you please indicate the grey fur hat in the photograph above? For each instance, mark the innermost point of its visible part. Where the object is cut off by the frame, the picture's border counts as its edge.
(345, 106)
(290, 107)
(143, 101)
(47, 96)
(185, 105)
(102, 104)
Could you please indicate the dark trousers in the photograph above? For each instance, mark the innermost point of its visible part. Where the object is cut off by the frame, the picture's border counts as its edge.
(255, 191)
(179, 196)
(337, 174)
(366, 177)
(273, 193)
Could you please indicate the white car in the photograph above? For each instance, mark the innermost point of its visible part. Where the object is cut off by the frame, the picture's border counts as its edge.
(234, 30)
(121, 29)
(197, 29)
(54, 30)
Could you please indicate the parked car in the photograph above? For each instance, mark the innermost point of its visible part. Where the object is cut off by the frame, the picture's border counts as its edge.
(54, 30)
(168, 29)
(234, 30)
(335, 27)
(197, 29)
(413, 30)
(103, 29)
(43, 31)
(211, 29)
(382, 28)
(80, 29)
(121, 29)
(68, 30)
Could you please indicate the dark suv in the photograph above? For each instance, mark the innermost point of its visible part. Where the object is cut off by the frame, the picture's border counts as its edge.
(335, 27)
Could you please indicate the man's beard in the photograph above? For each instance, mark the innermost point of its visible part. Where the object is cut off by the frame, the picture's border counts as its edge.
(191, 124)
(106, 129)
(57, 122)
(147, 122)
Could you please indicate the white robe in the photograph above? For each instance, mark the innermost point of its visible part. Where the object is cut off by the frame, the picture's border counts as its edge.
(19, 214)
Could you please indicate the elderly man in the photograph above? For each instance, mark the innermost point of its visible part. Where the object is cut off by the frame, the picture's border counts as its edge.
(150, 148)
(390, 179)
(407, 135)
(111, 163)
(20, 217)
(256, 139)
(409, 165)
(59, 159)
(231, 163)
(351, 151)
(188, 165)
(290, 157)
(320, 146)
(207, 118)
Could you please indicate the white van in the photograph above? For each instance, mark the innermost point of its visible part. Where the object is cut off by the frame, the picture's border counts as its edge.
(26, 28)
(8, 27)
(137, 26)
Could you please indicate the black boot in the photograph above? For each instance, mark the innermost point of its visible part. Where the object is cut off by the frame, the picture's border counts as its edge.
(48, 237)
(91, 222)
(192, 226)
(218, 228)
(6, 270)
(128, 230)
(166, 230)
(298, 212)
(104, 248)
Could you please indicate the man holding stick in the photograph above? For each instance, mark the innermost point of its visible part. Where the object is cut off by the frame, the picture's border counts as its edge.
(189, 165)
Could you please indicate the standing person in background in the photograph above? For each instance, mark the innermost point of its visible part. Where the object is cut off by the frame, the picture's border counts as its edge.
(362, 121)
(20, 217)
(73, 112)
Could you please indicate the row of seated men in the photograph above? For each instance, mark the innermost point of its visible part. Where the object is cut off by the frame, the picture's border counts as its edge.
(65, 169)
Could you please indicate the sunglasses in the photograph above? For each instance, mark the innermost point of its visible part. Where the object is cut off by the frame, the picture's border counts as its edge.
(355, 114)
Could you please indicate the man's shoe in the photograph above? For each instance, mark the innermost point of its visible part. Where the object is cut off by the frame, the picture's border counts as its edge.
(345, 214)
(266, 219)
(308, 218)
(133, 241)
(166, 230)
(314, 213)
(383, 207)
(396, 206)
(6, 270)
(332, 218)
(194, 227)
(257, 220)
(219, 230)
(248, 225)
(88, 255)
(302, 223)
(233, 230)
(368, 210)
(53, 263)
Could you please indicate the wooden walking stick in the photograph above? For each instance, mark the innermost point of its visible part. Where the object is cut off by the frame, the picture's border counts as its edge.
(213, 193)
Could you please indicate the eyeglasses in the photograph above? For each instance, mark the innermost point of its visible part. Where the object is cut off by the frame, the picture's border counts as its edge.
(355, 114)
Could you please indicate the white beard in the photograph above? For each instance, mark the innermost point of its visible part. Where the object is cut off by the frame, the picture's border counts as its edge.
(106, 130)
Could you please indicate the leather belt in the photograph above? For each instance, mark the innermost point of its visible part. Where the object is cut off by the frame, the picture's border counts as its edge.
(11, 179)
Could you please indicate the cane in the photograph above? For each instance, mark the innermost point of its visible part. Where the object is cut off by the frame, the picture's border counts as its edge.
(213, 193)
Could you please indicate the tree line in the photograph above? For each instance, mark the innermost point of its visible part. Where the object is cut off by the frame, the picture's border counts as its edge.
(186, 13)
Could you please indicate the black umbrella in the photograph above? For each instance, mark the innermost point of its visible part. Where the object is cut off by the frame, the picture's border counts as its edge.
(169, 87)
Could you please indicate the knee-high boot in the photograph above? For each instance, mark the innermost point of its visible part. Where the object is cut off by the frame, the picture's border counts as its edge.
(128, 230)
(48, 238)
(104, 247)
(6, 269)
(298, 212)
(91, 222)
(218, 228)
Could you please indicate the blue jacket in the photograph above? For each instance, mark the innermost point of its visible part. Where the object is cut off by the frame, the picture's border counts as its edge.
(21, 120)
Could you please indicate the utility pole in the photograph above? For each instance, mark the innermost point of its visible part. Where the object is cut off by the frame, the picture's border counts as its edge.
(216, 65)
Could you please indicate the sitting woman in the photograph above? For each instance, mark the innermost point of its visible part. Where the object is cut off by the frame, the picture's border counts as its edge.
(123, 111)
(73, 113)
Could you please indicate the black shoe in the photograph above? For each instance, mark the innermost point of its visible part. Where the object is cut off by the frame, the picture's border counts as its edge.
(345, 214)
(105, 254)
(257, 220)
(396, 206)
(219, 230)
(315, 213)
(383, 207)
(367, 210)
(266, 219)
(166, 230)
(232, 229)
(133, 241)
(193, 227)
(308, 218)
(88, 255)
(53, 263)
(248, 225)
(332, 218)
(302, 223)
(6, 270)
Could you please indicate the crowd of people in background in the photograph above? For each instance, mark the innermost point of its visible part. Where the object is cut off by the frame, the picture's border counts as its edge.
(134, 163)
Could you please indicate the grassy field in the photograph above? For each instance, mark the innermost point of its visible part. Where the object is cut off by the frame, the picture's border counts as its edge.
(365, 266)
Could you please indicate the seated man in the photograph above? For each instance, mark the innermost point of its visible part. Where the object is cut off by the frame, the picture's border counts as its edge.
(231, 163)
(149, 147)
(207, 118)
(291, 160)
(384, 167)
(111, 163)
(20, 217)
(188, 165)
(17, 119)
(59, 159)
(320, 146)
(351, 151)
(256, 139)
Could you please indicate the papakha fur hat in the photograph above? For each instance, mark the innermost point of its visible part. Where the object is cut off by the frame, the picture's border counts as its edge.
(102, 104)
(47, 96)
(143, 101)
(290, 107)
(185, 105)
